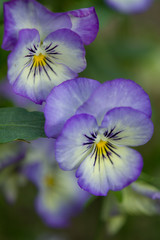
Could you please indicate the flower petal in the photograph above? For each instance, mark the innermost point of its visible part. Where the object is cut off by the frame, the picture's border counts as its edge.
(85, 24)
(126, 126)
(22, 14)
(116, 93)
(70, 50)
(63, 102)
(103, 176)
(69, 147)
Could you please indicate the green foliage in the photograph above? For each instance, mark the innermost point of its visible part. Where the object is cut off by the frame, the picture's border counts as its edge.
(19, 124)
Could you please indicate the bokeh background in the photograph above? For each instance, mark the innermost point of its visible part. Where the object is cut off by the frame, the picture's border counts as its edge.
(127, 46)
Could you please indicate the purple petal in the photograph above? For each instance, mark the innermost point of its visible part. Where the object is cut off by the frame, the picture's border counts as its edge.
(63, 102)
(129, 127)
(85, 24)
(22, 14)
(70, 50)
(100, 177)
(132, 6)
(69, 147)
(116, 93)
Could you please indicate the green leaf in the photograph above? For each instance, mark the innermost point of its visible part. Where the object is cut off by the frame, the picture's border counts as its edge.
(18, 123)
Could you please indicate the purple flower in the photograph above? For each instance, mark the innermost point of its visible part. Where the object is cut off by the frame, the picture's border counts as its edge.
(47, 48)
(130, 6)
(59, 197)
(97, 138)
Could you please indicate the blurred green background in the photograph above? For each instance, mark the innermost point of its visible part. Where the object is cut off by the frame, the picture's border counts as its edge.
(127, 46)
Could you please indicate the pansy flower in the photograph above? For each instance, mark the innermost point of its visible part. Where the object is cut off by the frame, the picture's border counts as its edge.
(130, 6)
(97, 138)
(47, 48)
(59, 197)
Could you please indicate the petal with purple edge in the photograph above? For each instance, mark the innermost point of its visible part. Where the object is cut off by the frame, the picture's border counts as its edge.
(100, 177)
(85, 24)
(22, 14)
(70, 150)
(126, 126)
(116, 93)
(70, 50)
(63, 102)
(38, 88)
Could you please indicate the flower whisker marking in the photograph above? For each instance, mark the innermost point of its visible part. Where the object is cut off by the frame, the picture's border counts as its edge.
(111, 134)
(40, 59)
(31, 50)
(46, 72)
(48, 50)
(50, 67)
(102, 149)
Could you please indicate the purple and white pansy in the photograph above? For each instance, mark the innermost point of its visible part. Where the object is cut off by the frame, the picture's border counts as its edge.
(34, 68)
(59, 197)
(96, 138)
(47, 48)
(130, 6)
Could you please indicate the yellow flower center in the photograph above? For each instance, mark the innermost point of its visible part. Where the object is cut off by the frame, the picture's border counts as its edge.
(49, 181)
(39, 60)
(101, 148)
